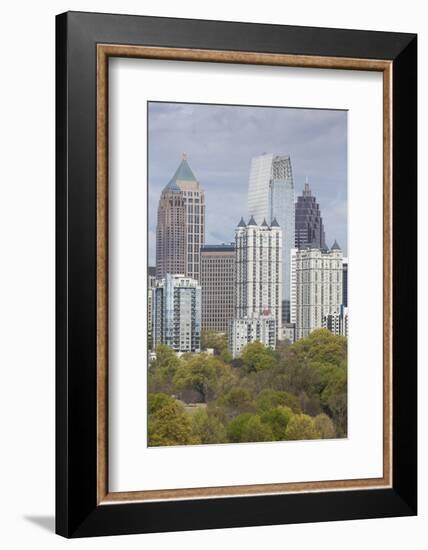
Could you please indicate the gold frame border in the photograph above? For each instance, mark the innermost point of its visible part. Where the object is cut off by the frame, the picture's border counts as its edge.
(104, 51)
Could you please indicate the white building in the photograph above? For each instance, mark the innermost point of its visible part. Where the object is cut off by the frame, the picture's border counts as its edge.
(176, 319)
(337, 323)
(316, 287)
(258, 272)
(261, 328)
(151, 280)
(271, 196)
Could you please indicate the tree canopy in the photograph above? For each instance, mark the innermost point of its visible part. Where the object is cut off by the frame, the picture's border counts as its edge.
(298, 391)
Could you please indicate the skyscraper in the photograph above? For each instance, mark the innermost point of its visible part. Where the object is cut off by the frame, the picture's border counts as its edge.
(258, 282)
(317, 287)
(151, 281)
(345, 282)
(180, 231)
(309, 226)
(171, 235)
(194, 200)
(271, 196)
(217, 280)
(176, 317)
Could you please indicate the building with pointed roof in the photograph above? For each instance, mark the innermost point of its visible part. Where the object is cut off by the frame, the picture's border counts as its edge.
(309, 227)
(258, 283)
(180, 231)
(194, 200)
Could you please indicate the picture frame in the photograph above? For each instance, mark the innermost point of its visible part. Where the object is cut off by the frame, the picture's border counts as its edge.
(84, 44)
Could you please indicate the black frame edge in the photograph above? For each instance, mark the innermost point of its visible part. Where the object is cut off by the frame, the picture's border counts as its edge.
(77, 514)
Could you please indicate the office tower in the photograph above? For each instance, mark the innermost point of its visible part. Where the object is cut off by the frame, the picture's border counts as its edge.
(180, 229)
(151, 279)
(194, 200)
(261, 328)
(271, 196)
(318, 287)
(171, 233)
(177, 313)
(337, 323)
(217, 278)
(309, 228)
(345, 282)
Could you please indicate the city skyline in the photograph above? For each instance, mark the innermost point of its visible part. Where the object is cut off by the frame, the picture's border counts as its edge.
(220, 142)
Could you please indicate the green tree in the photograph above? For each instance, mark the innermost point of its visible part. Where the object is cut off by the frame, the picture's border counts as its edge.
(205, 375)
(301, 426)
(334, 399)
(236, 401)
(268, 399)
(214, 340)
(162, 370)
(168, 424)
(207, 428)
(256, 357)
(325, 426)
(277, 419)
(248, 427)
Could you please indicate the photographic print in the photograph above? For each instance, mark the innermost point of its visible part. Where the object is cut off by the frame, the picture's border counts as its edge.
(247, 274)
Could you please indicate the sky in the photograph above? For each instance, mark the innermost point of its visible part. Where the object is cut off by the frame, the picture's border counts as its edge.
(220, 141)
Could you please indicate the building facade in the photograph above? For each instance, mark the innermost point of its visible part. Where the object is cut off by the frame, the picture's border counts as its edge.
(194, 201)
(318, 289)
(217, 278)
(261, 328)
(309, 227)
(258, 272)
(151, 280)
(337, 323)
(171, 234)
(271, 196)
(345, 282)
(176, 315)
(180, 230)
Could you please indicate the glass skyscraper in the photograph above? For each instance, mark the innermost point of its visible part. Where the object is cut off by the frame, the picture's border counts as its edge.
(271, 196)
(309, 224)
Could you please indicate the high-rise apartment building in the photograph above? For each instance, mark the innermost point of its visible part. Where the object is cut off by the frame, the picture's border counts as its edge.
(337, 323)
(309, 227)
(217, 278)
(271, 196)
(258, 272)
(180, 229)
(317, 291)
(176, 317)
(151, 280)
(261, 328)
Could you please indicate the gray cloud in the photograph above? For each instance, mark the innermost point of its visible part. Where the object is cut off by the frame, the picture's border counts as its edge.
(220, 141)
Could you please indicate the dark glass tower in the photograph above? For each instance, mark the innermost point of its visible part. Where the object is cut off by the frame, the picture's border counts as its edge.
(309, 228)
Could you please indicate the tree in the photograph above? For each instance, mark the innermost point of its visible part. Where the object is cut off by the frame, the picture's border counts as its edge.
(301, 426)
(256, 357)
(236, 401)
(334, 399)
(207, 428)
(325, 426)
(168, 424)
(268, 399)
(248, 427)
(162, 370)
(215, 340)
(277, 419)
(205, 375)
